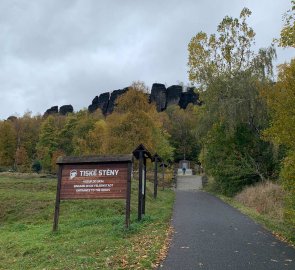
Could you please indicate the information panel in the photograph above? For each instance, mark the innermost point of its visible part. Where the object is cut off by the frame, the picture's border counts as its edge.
(94, 181)
(94, 177)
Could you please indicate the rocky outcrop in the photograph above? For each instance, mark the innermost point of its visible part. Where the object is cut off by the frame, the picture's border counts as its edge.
(188, 97)
(100, 102)
(65, 109)
(158, 96)
(173, 94)
(52, 110)
(112, 102)
(12, 118)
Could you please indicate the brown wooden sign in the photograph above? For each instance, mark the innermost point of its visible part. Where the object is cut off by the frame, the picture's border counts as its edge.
(94, 177)
(94, 181)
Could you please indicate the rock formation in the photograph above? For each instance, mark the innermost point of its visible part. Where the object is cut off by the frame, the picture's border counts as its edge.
(115, 94)
(158, 96)
(188, 97)
(173, 95)
(52, 110)
(100, 102)
(65, 109)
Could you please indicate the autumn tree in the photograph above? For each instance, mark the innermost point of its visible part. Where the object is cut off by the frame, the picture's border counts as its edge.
(287, 38)
(228, 52)
(228, 72)
(182, 128)
(27, 135)
(83, 128)
(98, 138)
(136, 121)
(66, 134)
(48, 142)
(7, 144)
(281, 101)
(22, 162)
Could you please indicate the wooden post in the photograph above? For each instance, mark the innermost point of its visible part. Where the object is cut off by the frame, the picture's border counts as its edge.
(57, 199)
(144, 185)
(140, 167)
(156, 178)
(128, 198)
(163, 175)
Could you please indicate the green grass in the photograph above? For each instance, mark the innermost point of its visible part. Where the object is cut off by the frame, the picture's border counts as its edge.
(91, 233)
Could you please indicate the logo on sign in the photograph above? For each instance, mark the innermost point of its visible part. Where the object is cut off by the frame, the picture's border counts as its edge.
(73, 174)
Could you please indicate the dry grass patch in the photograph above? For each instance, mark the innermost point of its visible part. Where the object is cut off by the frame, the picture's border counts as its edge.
(266, 198)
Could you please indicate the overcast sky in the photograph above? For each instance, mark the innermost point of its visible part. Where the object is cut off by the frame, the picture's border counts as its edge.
(56, 52)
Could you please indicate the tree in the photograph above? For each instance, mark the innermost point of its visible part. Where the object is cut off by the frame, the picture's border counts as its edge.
(48, 142)
(66, 135)
(27, 135)
(133, 100)
(281, 101)
(236, 160)
(135, 121)
(226, 53)
(21, 159)
(98, 138)
(182, 128)
(84, 125)
(287, 38)
(228, 73)
(7, 144)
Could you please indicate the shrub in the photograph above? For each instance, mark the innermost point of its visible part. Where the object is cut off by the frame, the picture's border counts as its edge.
(288, 182)
(266, 198)
(36, 166)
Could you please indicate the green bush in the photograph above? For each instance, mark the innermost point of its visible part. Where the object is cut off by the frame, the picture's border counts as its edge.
(237, 160)
(288, 182)
(36, 166)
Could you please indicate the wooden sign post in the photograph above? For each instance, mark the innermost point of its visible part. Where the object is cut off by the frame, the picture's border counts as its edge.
(163, 165)
(141, 153)
(94, 177)
(156, 158)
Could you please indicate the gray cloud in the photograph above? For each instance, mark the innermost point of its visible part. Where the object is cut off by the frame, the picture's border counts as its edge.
(65, 52)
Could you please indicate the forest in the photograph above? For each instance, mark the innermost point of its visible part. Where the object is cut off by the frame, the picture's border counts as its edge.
(242, 134)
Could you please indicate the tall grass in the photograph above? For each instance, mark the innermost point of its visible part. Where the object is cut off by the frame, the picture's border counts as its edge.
(266, 198)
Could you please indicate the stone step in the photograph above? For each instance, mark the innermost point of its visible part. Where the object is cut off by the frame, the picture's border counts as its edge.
(187, 172)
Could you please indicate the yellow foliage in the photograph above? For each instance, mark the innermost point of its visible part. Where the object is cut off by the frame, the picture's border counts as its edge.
(287, 38)
(281, 101)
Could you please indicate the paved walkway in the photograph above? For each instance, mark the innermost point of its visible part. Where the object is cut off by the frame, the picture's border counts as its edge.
(189, 182)
(210, 234)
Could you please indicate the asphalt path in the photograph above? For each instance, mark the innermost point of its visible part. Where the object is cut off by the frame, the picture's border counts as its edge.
(210, 234)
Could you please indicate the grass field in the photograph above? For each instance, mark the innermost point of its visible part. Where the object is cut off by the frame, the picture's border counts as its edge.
(91, 232)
